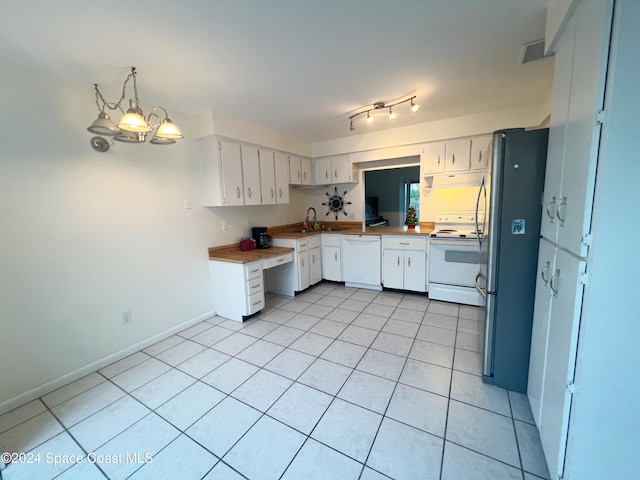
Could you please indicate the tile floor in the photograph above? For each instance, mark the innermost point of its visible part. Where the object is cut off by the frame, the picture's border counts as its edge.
(337, 383)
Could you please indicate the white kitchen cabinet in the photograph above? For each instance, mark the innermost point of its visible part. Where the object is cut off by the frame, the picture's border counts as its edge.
(404, 263)
(432, 158)
(458, 155)
(267, 177)
(300, 170)
(331, 258)
(221, 170)
(288, 282)
(237, 289)
(251, 175)
(281, 165)
(335, 169)
(315, 265)
(481, 152)
(575, 133)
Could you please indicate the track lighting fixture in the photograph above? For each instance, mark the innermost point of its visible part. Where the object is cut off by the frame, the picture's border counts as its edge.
(379, 106)
(133, 127)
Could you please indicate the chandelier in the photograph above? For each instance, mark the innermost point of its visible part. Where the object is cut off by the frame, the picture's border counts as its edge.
(382, 106)
(133, 127)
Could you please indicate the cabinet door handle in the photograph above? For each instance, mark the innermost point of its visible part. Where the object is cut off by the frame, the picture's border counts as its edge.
(280, 260)
(304, 175)
(249, 191)
(408, 261)
(453, 159)
(272, 193)
(438, 160)
(551, 283)
(336, 256)
(302, 262)
(255, 271)
(404, 243)
(255, 286)
(257, 303)
(326, 174)
(280, 192)
(550, 208)
(313, 259)
(303, 245)
(562, 203)
(335, 173)
(398, 261)
(546, 268)
(238, 191)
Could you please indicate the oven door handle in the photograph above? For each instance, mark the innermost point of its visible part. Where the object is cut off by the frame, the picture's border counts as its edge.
(482, 291)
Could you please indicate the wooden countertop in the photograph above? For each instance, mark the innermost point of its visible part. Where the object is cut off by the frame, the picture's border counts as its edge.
(350, 228)
(232, 253)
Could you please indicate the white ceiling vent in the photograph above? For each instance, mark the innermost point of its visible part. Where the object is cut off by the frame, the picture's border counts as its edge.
(532, 51)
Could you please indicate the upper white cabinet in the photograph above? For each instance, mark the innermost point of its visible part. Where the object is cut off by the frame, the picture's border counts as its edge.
(432, 158)
(251, 175)
(481, 152)
(300, 170)
(458, 153)
(221, 169)
(267, 177)
(234, 173)
(578, 99)
(281, 164)
(335, 169)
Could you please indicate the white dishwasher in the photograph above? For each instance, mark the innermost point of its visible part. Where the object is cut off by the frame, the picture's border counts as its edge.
(361, 261)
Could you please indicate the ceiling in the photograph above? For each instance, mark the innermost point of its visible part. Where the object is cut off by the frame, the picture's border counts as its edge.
(300, 67)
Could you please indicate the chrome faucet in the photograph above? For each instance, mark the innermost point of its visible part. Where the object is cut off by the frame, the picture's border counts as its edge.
(315, 217)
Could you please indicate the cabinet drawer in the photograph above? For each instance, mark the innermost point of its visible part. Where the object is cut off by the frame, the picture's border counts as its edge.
(255, 302)
(255, 285)
(330, 240)
(279, 260)
(252, 270)
(404, 243)
(302, 245)
(315, 241)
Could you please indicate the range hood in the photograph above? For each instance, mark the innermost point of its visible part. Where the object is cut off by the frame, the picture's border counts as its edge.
(467, 179)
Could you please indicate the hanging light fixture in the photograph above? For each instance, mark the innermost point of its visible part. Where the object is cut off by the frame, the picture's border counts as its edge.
(133, 127)
(379, 106)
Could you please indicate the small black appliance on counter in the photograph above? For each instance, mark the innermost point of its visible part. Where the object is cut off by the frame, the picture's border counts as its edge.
(263, 239)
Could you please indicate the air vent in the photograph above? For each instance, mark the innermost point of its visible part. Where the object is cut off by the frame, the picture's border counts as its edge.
(532, 51)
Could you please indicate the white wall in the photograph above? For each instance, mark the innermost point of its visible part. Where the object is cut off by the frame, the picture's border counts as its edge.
(86, 236)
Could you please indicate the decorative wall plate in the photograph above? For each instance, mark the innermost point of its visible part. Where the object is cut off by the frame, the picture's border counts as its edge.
(336, 203)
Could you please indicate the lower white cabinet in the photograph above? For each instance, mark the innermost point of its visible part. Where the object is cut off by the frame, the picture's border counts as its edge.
(404, 263)
(237, 289)
(307, 268)
(331, 258)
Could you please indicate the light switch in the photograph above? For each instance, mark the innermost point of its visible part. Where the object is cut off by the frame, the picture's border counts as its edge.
(188, 203)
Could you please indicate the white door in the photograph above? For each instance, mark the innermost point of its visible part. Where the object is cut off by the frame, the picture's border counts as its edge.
(267, 177)
(305, 171)
(557, 132)
(567, 288)
(231, 160)
(331, 269)
(322, 171)
(282, 177)
(341, 167)
(303, 270)
(393, 268)
(415, 264)
(432, 158)
(458, 154)
(315, 265)
(481, 148)
(540, 329)
(583, 130)
(251, 175)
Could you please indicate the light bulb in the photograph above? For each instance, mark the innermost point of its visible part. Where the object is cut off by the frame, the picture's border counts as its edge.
(369, 117)
(414, 106)
(392, 114)
(352, 126)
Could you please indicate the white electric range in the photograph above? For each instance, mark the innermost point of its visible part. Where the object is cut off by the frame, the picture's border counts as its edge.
(457, 252)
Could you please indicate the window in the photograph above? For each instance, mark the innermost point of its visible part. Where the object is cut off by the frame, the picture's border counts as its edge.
(412, 196)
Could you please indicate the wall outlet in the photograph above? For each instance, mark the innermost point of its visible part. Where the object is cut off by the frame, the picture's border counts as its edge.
(126, 317)
(188, 203)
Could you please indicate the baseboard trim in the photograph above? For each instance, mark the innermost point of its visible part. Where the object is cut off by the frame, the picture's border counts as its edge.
(49, 387)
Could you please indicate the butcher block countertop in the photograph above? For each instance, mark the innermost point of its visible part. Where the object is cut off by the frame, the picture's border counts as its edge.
(348, 228)
(232, 253)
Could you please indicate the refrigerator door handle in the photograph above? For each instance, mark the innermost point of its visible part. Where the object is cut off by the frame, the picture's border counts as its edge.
(481, 290)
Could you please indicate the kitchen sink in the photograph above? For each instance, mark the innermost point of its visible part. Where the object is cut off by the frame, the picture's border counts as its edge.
(302, 230)
(334, 229)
